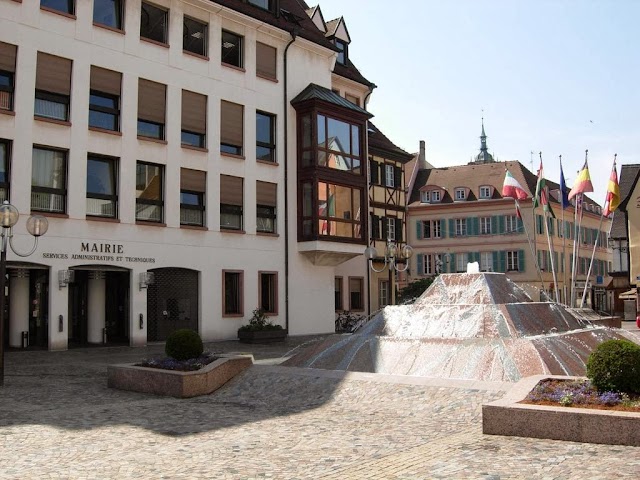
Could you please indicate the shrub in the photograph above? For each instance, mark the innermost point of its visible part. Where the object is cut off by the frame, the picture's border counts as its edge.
(259, 321)
(615, 366)
(411, 292)
(183, 344)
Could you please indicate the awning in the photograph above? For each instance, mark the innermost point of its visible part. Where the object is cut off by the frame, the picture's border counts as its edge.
(629, 295)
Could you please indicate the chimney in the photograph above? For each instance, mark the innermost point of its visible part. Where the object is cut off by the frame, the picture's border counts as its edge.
(422, 157)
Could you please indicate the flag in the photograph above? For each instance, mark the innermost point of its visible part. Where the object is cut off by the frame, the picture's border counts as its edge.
(512, 188)
(542, 192)
(613, 193)
(564, 199)
(582, 183)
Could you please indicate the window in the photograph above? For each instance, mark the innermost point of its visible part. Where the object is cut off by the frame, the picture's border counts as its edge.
(461, 263)
(389, 175)
(5, 154)
(149, 192)
(153, 23)
(151, 109)
(435, 196)
(352, 99)
(231, 128)
(431, 229)
(265, 137)
(192, 191)
(7, 71)
(265, 4)
(356, 287)
(338, 293)
(231, 202)
(433, 263)
(53, 87)
(338, 211)
(49, 180)
(268, 292)
(511, 222)
(485, 225)
(266, 61)
(512, 261)
(102, 186)
(485, 192)
(338, 145)
(460, 194)
(486, 261)
(194, 36)
(232, 49)
(383, 293)
(104, 99)
(391, 228)
(342, 53)
(266, 197)
(461, 227)
(194, 119)
(108, 13)
(64, 6)
(232, 296)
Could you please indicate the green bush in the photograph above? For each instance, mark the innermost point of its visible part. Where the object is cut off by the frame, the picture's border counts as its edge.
(411, 292)
(183, 344)
(615, 366)
(258, 322)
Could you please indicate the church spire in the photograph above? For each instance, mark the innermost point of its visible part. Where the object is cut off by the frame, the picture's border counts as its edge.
(484, 156)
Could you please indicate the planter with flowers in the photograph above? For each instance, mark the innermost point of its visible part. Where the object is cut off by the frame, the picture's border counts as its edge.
(261, 330)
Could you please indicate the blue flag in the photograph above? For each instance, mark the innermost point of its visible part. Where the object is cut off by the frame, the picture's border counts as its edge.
(564, 198)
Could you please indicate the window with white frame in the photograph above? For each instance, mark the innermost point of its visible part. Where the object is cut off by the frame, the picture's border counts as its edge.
(424, 197)
(485, 192)
(433, 263)
(431, 229)
(460, 194)
(390, 176)
(461, 227)
(461, 263)
(391, 228)
(511, 223)
(486, 261)
(435, 196)
(485, 225)
(512, 261)
(383, 293)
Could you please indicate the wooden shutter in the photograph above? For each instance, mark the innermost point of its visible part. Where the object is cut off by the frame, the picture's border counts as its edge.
(521, 260)
(399, 230)
(397, 178)
(151, 101)
(106, 81)
(383, 175)
(53, 74)
(194, 112)
(266, 60)
(419, 229)
(8, 57)
(231, 190)
(231, 123)
(452, 227)
(443, 228)
(375, 227)
(266, 193)
(420, 261)
(374, 172)
(193, 180)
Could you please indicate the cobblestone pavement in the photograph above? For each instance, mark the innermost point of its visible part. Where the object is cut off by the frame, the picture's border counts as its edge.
(59, 420)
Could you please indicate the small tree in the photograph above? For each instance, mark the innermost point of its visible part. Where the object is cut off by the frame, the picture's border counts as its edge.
(411, 292)
(615, 366)
(183, 344)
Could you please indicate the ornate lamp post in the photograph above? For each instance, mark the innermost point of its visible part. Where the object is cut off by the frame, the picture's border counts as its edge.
(391, 256)
(37, 226)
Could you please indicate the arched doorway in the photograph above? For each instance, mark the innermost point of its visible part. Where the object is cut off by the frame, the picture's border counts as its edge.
(172, 302)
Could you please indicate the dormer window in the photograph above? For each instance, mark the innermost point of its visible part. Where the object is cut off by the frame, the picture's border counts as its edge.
(430, 196)
(485, 192)
(435, 196)
(460, 194)
(266, 4)
(342, 54)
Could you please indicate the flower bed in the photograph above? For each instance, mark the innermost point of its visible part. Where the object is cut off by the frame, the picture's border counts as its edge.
(168, 363)
(509, 416)
(174, 383)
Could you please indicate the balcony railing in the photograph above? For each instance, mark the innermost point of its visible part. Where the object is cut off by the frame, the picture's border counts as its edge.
(48, 202)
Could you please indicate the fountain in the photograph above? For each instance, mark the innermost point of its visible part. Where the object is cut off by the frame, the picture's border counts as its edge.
(479, 326)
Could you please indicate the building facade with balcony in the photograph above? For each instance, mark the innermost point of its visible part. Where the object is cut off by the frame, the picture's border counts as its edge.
(193, 160)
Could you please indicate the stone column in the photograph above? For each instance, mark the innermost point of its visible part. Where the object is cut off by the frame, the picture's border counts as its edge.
(96, 307)
(19, 305)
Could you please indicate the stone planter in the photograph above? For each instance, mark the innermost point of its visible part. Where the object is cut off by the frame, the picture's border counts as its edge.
(508, 417)
(262, 336)
(178, 384)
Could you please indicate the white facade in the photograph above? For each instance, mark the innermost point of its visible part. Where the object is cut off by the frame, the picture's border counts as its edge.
(78, 242)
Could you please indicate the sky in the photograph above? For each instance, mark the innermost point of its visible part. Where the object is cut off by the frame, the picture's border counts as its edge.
(552, 76)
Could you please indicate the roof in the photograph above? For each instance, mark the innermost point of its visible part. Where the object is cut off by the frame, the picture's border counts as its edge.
(332, 26)
(475, 175)
(316, 92)
(352, 73)
(628, 178)
(380, 144)
(297, 18)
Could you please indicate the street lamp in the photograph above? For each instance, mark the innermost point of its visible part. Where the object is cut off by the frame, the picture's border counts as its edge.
(391, 255)
(37, 226)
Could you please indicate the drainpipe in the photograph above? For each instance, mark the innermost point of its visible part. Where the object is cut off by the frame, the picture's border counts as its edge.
(293, 34)
(366, 139)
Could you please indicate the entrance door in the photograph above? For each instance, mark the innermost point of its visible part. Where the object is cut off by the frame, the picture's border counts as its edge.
(39, 318)
(172, 302)
(117, 307)
(78, 325)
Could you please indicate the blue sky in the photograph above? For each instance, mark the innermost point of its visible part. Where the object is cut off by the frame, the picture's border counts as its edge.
(552, 76)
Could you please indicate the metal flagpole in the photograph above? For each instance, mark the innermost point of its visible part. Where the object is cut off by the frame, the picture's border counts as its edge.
(535, 258)
(564, 245)
(593, 254)
(553, 268)
(576, 230)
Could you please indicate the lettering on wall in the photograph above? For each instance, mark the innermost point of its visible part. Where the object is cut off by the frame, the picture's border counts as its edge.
(99, 252)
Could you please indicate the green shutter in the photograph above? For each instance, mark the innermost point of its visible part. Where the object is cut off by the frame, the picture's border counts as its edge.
(520, 225)
(501, 223)
(419, 229)
(551, 226)
(502, 261)
(452, 263)
(452, 227)
(521, 260)
(494, 224)
(420, 259)
(443, 229)
(495, 261)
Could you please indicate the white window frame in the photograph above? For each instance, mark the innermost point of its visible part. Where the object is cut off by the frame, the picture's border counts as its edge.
(461, 262)
(391, 228)
(511, 223)
(383, 293)
(512, 261)
(435, 229)
(435, 196)
(485, 226)
(486, 261)
(389, 178)
(424, 197)
(485, 192)
(460, 194)
(461, 227)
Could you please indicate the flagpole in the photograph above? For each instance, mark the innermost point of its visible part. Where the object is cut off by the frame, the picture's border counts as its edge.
(535, 258)
(595, 244)
(564, 242)
(573, 249)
